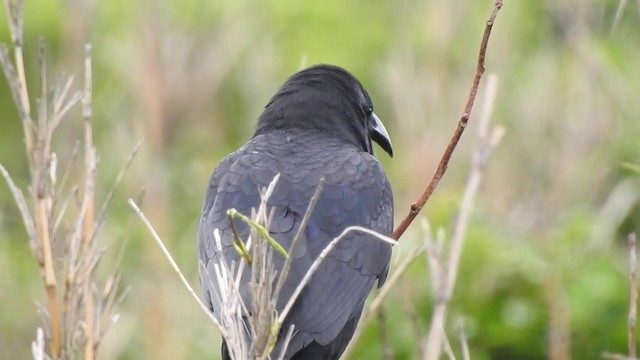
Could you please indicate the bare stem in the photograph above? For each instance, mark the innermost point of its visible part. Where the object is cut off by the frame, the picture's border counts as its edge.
(446, 274)
(376, 303)
(611, 356)
(175, 266)
(14, 11)
(89, 198)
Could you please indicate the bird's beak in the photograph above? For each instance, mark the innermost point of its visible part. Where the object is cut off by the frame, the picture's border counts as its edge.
(379, 134)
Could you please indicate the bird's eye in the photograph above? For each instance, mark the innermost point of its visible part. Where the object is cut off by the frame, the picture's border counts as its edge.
(368, 110)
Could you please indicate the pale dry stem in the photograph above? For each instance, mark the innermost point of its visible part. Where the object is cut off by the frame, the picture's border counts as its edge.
(377, 301)
(447, 271)
(455, 138)
(175, 266)
(314, 266)
(633, 295)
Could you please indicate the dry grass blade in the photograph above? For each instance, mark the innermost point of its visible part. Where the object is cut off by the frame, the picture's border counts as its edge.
(14, 85)
(37, 347)
(318, 261)
(287, 340)
(21, 202)
(107, 201)
(633, 295)
(376, 303)
(59, 113)
(464, 345)
(18, 80)
(74, 306)
(446, 273)
(14, 12)
(447, 347)
(60, 103)
(62, 209)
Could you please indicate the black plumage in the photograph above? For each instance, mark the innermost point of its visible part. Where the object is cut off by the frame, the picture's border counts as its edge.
(320, 124)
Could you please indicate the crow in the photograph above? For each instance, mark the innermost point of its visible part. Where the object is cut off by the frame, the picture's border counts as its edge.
(319, 124)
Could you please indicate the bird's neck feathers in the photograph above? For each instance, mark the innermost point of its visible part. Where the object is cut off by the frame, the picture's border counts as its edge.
(306, 113)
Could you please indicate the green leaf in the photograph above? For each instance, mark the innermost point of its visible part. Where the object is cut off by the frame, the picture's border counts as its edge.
(233, 213)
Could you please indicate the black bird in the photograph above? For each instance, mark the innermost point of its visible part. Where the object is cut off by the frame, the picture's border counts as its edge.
(320, 124)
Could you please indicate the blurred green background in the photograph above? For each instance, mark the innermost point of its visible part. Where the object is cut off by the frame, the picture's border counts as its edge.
(545, 259)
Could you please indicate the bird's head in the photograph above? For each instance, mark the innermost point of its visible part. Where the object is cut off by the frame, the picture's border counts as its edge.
(326, 98)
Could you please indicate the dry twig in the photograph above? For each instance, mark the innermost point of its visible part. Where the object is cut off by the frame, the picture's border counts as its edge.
(462, 124)
(174, 265)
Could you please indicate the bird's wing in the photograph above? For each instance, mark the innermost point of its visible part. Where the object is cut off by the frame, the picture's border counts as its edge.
(356, 192)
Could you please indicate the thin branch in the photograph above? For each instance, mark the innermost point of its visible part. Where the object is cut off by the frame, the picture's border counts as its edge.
(175, 266)
(462, 124)
(116, 183)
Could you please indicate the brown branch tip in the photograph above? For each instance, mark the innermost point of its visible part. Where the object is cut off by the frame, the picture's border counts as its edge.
(455, 138)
